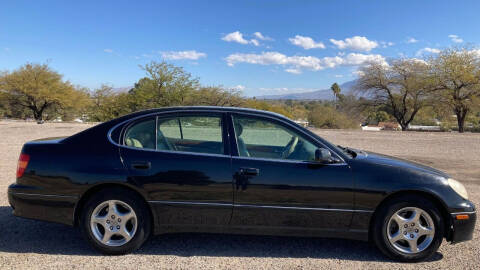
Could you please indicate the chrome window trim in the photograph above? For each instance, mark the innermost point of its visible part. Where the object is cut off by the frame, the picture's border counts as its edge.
(219, 111)
(131, 121)
(262, 206)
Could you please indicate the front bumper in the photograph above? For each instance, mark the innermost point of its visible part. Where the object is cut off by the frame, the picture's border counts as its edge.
(27, 203)
(462, 229)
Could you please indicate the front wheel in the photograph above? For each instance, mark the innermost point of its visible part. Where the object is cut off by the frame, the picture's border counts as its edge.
(409, 229)
(115, 221)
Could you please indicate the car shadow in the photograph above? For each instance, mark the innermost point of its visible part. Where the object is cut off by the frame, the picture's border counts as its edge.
(29, 236)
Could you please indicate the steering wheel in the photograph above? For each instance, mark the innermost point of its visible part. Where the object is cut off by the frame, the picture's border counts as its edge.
(290, 147)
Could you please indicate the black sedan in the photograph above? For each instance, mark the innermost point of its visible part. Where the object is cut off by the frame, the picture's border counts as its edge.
(233, 170)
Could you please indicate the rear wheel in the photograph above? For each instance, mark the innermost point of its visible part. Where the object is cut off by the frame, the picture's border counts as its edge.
(408, 228)
(115, 221)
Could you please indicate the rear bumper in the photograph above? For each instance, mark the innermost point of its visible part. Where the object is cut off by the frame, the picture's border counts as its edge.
(462, 230)
(46, 207)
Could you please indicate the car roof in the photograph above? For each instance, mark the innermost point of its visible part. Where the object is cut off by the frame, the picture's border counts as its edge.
(205, 108)
(103, 128)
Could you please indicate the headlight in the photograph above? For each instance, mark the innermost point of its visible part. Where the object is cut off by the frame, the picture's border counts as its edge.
(458, 187)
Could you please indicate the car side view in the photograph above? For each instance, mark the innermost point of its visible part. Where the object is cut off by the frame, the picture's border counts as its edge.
(234, 170)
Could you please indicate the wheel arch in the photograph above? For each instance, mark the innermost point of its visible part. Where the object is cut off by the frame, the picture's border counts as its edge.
(92, 190)
(435, 199)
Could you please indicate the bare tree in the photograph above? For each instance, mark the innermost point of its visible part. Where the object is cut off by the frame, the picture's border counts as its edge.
(403, 87)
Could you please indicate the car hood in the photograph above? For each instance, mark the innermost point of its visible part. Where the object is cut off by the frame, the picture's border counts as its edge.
(380, 159)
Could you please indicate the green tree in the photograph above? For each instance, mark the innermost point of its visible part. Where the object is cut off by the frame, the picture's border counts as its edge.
(404, 87)
(323, 116)
(164, 85)
(37, 88)
(457, 75)
(215, 96)
(267, 106)
(107, 105)
(336, 91)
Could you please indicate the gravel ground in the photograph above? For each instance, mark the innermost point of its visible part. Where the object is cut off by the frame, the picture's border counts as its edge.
(34, 244)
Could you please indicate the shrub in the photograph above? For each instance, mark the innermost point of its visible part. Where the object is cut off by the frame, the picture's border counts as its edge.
(328, 117)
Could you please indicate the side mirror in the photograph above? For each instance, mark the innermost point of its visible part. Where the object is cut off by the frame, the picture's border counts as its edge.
(323, 155)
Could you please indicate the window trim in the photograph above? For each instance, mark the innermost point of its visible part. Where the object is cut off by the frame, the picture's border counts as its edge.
(230, 144)
(312, 140)
(128, 123)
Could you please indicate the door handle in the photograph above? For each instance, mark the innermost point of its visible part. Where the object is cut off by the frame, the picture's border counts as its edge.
(141, 165)
(249, 171)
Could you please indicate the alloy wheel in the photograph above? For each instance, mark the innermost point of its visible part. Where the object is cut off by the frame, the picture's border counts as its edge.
(410, 230)
(113, 223)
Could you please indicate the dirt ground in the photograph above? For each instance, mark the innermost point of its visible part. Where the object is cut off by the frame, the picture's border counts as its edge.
(34, 244)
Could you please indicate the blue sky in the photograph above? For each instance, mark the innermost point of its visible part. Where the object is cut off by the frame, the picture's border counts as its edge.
(302, 45)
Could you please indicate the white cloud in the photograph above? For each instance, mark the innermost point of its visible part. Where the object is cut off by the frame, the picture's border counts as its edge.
(255, 42)
(295, 64)
(238, 37)
(476, 51)
(386, 44)
(284, 90)
(293, 70)
(179, 55)
(235, 37)
(108, 50)
(455, 38)
(239, 87)
(338, 76)
(358, 73)
(262, 37)
(427, 50)
(412, 40)
(418, 60)
(306, 42)
(357, 43)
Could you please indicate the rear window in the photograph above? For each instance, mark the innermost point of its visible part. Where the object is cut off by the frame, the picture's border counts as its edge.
(141, 134)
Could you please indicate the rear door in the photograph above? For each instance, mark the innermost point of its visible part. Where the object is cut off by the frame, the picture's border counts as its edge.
(183, 163)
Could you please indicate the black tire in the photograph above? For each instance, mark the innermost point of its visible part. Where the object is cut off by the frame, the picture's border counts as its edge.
(135, 202)
(383, 216)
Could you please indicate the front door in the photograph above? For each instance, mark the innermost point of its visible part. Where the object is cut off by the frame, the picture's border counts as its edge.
(182, 163)
(279, 186)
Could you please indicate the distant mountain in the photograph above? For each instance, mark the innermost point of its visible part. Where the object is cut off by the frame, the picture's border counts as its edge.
(324, 94)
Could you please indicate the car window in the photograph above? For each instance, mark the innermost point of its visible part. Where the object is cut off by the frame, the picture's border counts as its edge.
(261, 138)
(141, 134)
(199, 134)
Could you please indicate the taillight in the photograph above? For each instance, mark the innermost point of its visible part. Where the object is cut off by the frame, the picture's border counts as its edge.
(22, 164)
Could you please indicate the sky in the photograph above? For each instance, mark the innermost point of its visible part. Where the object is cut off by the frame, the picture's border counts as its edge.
(257, 47)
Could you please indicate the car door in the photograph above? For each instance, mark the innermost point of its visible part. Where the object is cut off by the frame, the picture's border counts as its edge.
(279, 185)
(182, 162)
